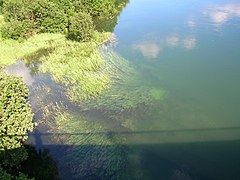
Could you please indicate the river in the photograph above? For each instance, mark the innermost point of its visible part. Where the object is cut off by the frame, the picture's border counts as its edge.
(186, 50)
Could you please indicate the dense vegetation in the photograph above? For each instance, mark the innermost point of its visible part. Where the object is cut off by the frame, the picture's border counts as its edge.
(60, 37)
(25, 18)
(15, 121)
(15, 112)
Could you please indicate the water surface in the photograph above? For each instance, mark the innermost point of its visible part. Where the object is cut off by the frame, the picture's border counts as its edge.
(191, 51)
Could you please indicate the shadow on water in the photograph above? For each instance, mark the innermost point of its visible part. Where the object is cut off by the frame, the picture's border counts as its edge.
(38, 165)
(141, 158)
(176, 161)
(181, 154)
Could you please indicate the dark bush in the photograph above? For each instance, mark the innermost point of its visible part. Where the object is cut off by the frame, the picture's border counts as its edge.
(81, 27)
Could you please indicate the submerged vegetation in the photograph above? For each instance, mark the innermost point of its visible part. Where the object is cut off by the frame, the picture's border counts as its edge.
(60, 39)
(78, 66)
(91, 145)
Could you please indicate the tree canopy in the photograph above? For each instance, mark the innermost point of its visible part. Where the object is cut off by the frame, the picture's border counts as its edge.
(24, 18)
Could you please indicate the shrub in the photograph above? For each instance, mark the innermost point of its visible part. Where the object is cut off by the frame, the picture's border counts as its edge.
(16, 29)
(81, 27)
(104, 8)
(24, 18)
(49, 16)
(15, 112)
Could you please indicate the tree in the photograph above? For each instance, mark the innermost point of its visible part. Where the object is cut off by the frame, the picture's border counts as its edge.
(81, 27)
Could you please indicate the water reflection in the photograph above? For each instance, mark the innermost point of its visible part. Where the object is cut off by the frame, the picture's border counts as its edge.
(172, 41)
(191, 23)
(148, 49)
(19, 69)
(189, 42)
(220, 14)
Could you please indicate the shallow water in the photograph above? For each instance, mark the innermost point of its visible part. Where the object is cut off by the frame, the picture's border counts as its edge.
(188, 49)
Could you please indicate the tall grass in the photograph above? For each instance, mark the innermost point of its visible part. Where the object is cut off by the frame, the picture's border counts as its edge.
(78, 66)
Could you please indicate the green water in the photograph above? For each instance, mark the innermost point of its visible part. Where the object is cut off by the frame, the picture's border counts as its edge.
(190, 49)
(178, 115)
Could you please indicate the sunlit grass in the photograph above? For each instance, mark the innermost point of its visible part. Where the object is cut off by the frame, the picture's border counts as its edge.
(11, 50)
(78, 66)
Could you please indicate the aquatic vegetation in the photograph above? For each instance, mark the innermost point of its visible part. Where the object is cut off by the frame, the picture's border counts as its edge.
(129, 123)
(157, 94)
(127, 94)
(78, 66)
(95, 150)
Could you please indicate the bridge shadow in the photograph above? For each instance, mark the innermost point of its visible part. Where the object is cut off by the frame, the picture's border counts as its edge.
(140, 158)
(175, 161)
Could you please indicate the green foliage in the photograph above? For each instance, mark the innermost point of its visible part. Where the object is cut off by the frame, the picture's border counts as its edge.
(79, 67)
(4, 175)
(39, 164)
(104, 8)
(13, 158)
(15, 112)
(49, 16)
(16, 29)
(15, 121)
(7, 176)
(11, 50)
(24, 18)
(81, 27)
(19, 21)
